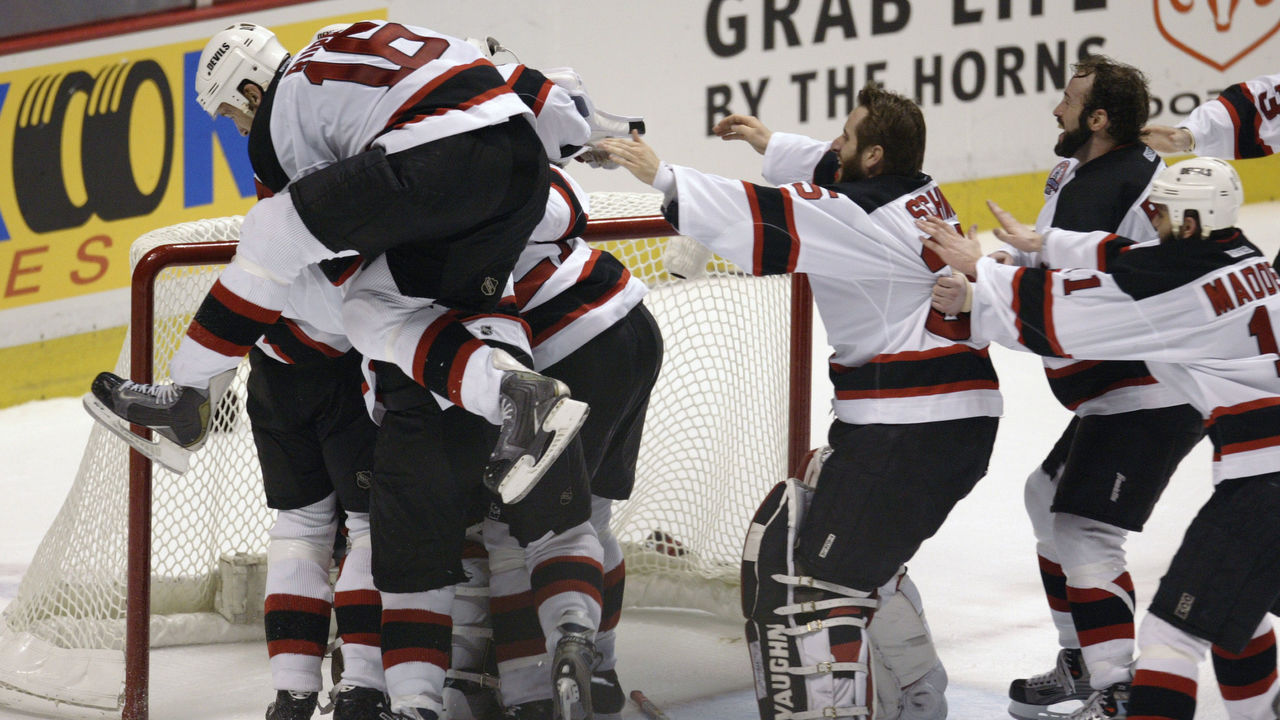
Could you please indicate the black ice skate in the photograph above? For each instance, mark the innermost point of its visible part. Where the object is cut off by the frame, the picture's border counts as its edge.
(179, 415)
(415, 714)
(532, 710)
(607, 698)
(1031, 698)
(538, 421)
(351, 702)
(292, 705)
(571, 669)
(1111, 703)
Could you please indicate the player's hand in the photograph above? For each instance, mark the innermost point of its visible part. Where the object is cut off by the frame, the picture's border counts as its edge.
(950, 294)
(744, 127)
(1013, 232)
(1168, 140)
(635, 155)
(961, 252)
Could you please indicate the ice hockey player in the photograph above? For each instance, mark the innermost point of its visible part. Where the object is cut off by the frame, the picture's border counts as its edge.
(1242, 122)
(315, 444)
(1125, 423)
(1197, 306)
(545, 541)
(585, 312)
(350, 135)
(916, 404)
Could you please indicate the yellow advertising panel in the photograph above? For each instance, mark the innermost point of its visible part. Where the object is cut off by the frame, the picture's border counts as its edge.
(97, 151)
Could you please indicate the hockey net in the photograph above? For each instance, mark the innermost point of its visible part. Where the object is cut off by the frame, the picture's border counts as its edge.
(727, 420)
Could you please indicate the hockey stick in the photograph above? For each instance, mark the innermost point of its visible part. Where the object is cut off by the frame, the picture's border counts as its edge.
(651, 711)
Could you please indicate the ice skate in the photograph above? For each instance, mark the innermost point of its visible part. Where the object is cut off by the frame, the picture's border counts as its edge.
(292, 705)
(414, 714)
(1031, 698)
(472, 700)
(571, 669)
(1111, 703)
(179, 415)
(532, 710)
(351, 702)
(607, 698)
(538, 421)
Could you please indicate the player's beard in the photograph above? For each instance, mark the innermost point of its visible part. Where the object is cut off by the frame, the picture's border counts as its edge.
(1073, 139)
(851, 172)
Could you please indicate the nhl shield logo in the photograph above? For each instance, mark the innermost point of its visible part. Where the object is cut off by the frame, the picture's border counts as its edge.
(1217, 32)
(489, 286)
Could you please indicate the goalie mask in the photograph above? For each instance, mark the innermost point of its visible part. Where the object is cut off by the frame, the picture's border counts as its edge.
(240, 54)
(1209, 186)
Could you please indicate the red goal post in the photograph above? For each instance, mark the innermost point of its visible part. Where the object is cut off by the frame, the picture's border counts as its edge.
(728, 419)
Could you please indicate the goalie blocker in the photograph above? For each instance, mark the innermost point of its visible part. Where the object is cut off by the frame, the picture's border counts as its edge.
(815, 650)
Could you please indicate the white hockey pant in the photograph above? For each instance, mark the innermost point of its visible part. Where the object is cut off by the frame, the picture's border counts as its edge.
(601, 515)
(299, 553)
(468, 683)
(361, 651)
(1093, 558)
(1038, 498)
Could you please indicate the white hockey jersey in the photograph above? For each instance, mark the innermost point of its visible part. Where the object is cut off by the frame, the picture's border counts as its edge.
(416, 86)
(568, 291)
(1198, 312)
(895, 360)
(560, 119)
(1242, 122)
(310, 327)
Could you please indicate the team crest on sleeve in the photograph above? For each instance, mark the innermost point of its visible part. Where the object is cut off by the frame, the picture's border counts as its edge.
(1054, 182)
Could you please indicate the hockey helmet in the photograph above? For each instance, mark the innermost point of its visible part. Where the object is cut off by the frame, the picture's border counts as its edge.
(242, 52)
(1207, 185)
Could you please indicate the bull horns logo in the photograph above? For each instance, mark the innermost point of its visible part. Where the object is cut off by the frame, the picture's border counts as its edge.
(1217, 32)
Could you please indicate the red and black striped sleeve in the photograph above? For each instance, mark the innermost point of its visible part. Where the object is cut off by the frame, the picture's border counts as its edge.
(777, 243)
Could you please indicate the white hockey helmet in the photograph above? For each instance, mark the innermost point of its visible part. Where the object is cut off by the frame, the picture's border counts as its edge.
(242, 52)
(1207, 185)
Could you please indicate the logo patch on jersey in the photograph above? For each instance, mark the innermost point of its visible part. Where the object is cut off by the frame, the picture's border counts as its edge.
(1115, 488)
(489, 286)
(1184, 605)
(364, 479)
(1054, 182)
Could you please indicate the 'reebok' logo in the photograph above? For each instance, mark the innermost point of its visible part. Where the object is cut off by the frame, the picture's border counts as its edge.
(1217, 32)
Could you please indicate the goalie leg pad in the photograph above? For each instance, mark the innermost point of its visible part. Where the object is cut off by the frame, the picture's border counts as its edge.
(912, 680)
(809, 654)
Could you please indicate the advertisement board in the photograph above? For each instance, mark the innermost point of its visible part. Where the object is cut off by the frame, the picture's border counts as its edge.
(97, 148)
(102, 142)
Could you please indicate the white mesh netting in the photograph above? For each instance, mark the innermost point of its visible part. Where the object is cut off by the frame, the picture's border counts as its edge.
(715, 442)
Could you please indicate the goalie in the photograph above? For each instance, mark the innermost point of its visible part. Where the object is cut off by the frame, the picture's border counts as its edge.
(916, 402)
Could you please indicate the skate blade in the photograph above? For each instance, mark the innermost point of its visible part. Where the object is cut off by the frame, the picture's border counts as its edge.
(568, 694)
(162, 450)
(564, 420)
(1064, 709)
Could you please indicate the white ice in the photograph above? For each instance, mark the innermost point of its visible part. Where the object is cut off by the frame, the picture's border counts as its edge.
(978, 575)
